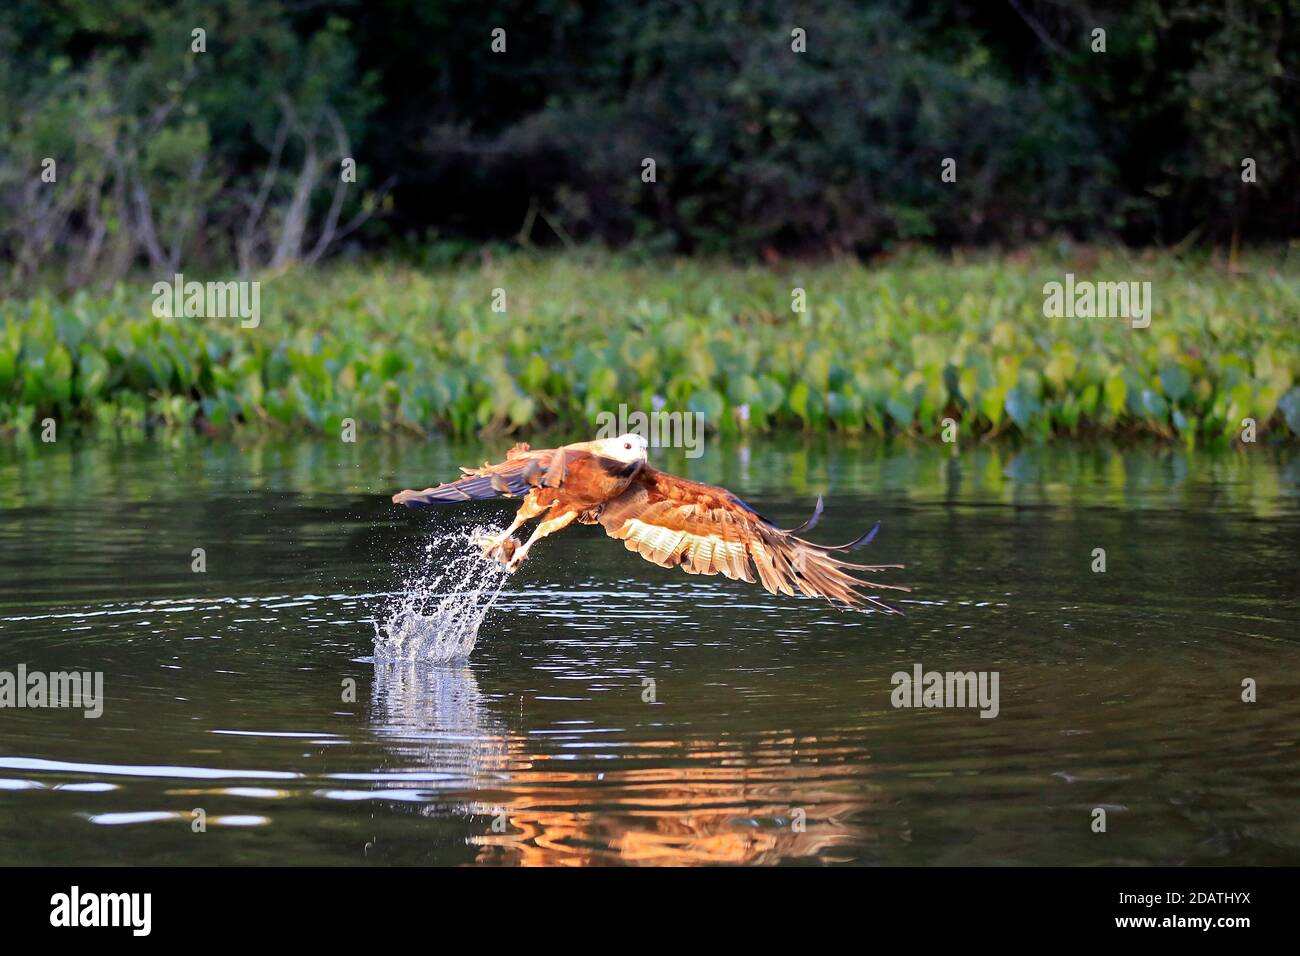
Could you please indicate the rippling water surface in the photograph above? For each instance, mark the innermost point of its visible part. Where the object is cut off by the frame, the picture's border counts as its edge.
(615, 712)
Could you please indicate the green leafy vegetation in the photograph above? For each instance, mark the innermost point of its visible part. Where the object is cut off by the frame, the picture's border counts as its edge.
(891, 348)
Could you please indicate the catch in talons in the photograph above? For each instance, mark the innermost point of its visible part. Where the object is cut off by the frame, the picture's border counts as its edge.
(671, 521)
(497, 548)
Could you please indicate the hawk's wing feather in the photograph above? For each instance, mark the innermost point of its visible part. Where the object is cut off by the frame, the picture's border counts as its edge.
(522, 471)
(702, 529)
(811, 522)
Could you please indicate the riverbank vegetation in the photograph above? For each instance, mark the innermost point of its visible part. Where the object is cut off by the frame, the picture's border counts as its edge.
(524, 343)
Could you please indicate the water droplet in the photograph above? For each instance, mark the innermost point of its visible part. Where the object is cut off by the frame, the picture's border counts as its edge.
(437, 616)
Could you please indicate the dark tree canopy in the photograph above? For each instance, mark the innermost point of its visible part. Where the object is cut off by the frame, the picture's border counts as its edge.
(232, 155)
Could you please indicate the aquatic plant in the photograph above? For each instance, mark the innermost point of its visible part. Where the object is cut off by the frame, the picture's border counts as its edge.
(888, 348)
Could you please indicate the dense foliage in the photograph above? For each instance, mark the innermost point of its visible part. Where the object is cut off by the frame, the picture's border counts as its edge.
(172, 159)
(887, 349)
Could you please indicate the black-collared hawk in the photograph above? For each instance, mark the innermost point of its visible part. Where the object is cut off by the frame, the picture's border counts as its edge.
(671, 521)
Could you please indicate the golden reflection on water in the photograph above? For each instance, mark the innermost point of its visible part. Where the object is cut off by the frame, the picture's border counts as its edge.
(680, 816)
(703, 802)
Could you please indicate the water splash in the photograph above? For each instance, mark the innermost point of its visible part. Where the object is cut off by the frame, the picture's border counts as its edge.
(437, 615)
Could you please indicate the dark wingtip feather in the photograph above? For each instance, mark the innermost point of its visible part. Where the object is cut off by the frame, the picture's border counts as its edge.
(864, 540)
(811, 522)
(887, 608)
(470, 488)
(406, 498)
(427, 497)
(861, 542)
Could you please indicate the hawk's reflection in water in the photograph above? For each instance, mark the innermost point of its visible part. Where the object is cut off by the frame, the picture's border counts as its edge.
(764, 799)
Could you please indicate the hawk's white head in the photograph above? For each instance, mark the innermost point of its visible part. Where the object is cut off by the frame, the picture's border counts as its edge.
(628, 448)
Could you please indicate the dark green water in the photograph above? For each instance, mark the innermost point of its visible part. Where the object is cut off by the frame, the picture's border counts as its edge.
(771, 738)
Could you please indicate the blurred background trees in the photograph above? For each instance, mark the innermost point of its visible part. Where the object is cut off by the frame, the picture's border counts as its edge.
(167, 158)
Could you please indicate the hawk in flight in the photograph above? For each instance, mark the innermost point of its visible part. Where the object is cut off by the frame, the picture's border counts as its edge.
(671, 521)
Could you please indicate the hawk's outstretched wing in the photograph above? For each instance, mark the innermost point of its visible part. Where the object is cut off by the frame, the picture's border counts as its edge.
(702, 529)
(522, 471)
